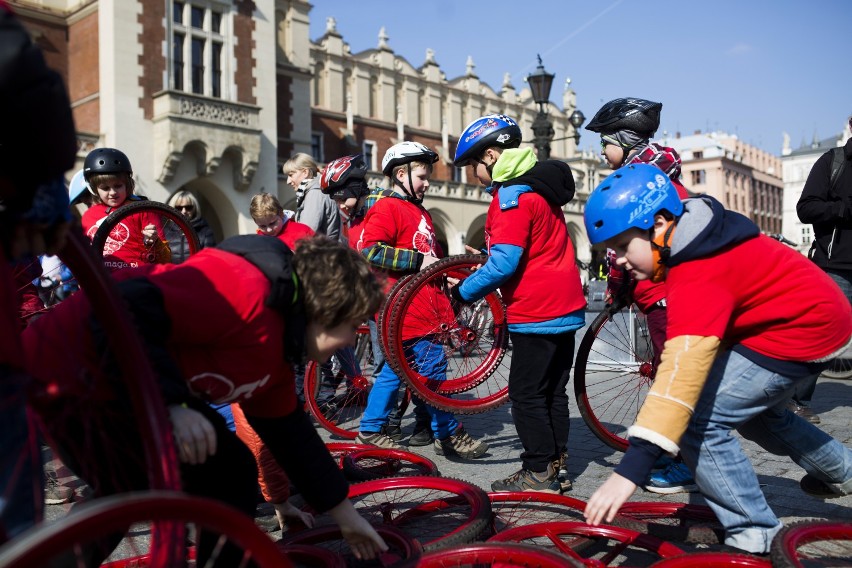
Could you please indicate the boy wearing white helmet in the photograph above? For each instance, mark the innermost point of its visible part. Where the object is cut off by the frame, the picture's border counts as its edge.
(398, 238)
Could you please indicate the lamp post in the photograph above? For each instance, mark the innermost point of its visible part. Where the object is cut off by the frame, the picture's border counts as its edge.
(540, 82)
(577, 119)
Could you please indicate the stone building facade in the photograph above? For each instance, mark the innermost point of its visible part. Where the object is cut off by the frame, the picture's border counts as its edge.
(214, 95)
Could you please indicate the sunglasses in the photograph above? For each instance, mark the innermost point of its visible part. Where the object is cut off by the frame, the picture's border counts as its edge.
(185, 207)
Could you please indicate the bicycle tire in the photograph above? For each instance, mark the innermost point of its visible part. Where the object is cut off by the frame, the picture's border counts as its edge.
(682, 522)
(515, 508)
(813, 543)
(329, 539)
(157, 455)
(40, 545)
(475, 382)
(712, 560)
(553, 531)
(484, 554)
(376, 463)
(310, 556)
(840, 368)
(343, 417)
(387, 308)
(103, 236)
(437, 511)
(612, 376)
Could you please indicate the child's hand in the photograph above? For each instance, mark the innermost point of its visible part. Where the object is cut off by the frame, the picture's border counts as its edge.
(195, 437)
(472, 250)
(608, 499)
(286, 510)
(363, 539)
(428, 260)
(149, 235)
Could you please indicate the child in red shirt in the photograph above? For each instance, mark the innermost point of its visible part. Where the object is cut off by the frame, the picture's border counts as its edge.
(109, 178)
(214, 342)
(271, 220)
(749, 319)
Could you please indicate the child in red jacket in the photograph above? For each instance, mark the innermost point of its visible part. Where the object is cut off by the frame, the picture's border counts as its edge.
(749, 319)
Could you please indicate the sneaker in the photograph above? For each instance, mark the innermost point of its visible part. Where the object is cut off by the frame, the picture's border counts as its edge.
(561, 466)
(803, 412)
(461, 444)
(820, 489)
(526, 480)
(421, 436)
(394, 432)
(674, 479)
(377, 439)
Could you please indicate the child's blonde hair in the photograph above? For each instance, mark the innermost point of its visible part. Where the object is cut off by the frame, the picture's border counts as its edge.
(264, 204)
(337, 282)
(95, 180)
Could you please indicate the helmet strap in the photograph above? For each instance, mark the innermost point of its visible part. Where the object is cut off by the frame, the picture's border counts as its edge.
(661, 249)
(408, 191)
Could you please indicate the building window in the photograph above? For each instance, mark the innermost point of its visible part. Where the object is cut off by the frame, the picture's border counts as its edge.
(199, 64)
(316, 147)
(368, 148)
(699, 177)
(697, 154)
(456, 173)
(807, 235)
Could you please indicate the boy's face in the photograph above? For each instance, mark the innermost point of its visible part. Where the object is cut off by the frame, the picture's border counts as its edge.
(480, 166)
(113, 193)
(419, 179)
(321, 342)
(295, 177)
(614, 155)
(633, 253)
(271, 225)
(347, 206)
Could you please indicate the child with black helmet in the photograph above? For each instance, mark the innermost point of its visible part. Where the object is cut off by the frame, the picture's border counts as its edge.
(531, 260)
(626, 126)
(749, 319)
(398, 238)
(109, 178)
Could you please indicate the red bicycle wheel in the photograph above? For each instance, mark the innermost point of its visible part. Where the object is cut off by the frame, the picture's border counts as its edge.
(515, 508)
(341, 414)
(613, 372)
(712, 560)
(477, 377)
(78, 416)
(387, 310)
(310, 556)
(436, 511)
(601, 545)
(65, 539)
(328, 538)
(484, 554)
(813, 543)
(114, 234)
(681, 522)
(376, 463)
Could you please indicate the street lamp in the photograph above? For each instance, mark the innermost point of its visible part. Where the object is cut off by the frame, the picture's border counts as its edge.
(577, 119)
(540, 82)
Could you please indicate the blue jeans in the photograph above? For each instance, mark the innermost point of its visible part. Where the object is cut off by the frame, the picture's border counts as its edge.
(429, 360)
(741, 395)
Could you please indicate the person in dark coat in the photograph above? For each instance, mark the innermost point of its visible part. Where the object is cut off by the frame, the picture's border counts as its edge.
(185, 202)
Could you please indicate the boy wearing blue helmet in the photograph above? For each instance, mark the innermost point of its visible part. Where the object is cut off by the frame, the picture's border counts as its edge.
(748, 320)
(531, 259)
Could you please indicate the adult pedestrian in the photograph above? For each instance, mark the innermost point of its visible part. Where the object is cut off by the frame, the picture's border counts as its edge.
(188, 205)
(313, 208)
(826, 203)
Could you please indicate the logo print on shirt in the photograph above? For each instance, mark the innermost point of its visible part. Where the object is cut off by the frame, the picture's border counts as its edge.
(217, 388)
(424, 238)
(116, 238)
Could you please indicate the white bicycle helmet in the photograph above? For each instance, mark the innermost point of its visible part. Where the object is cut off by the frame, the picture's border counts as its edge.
(405, 153)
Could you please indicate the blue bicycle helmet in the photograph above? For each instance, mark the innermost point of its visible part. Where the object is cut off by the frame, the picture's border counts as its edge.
(629, 198)
(484, 132)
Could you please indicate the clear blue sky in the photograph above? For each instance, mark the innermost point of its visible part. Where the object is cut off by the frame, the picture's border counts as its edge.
(755, 68)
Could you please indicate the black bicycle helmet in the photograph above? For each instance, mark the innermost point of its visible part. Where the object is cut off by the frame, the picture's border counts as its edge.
(106, 161)
(344, 178)
(639, 115)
